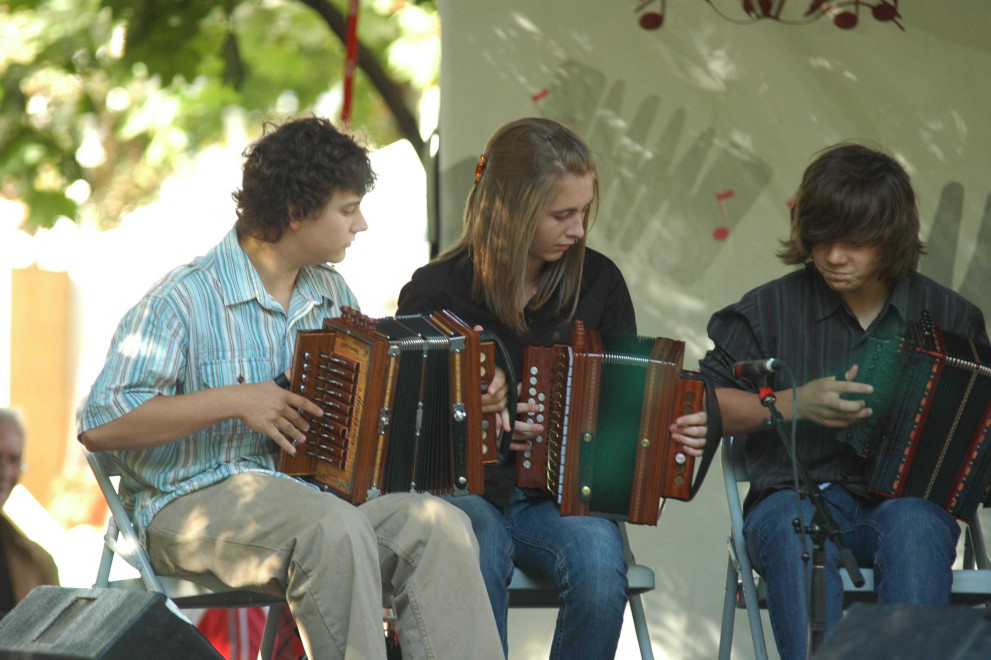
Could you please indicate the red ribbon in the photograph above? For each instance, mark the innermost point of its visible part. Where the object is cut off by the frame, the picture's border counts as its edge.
(350, 60)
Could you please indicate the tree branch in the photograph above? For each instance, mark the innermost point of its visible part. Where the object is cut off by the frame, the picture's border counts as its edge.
(386, 86)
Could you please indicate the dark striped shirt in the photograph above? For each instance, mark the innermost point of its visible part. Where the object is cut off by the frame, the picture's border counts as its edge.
(800, 320)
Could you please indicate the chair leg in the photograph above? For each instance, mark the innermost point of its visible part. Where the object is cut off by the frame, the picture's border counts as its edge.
(729, 612)
(271, 630)
(640, 625)
(753, 614)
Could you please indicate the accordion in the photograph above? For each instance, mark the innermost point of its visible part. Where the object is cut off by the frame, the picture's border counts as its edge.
(402, 405)
(928, 436)
(607, 403)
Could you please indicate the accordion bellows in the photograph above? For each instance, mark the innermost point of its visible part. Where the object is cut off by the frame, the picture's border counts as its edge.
(607, 403)
(928, 436)
(402, 405)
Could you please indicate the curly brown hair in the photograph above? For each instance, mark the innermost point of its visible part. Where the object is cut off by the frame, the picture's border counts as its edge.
(293, 170)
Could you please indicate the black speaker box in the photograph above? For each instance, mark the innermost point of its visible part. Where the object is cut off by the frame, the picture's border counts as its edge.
(109, 624)
(896, 632)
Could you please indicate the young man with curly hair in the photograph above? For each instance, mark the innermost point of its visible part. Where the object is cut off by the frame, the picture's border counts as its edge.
(188, 405)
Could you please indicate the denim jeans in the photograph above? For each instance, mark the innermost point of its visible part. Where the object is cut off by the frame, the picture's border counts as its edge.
(582, 556)
(909, 542)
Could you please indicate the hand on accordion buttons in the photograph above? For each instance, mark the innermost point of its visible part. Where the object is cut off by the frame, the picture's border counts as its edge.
(278, 413)
(690, 431)
(833, 403)
(496, 395)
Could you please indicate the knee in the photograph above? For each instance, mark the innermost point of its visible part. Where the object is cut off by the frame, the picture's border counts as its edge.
(911, 522)
(442, 520)
(597, 566)
(341, 523)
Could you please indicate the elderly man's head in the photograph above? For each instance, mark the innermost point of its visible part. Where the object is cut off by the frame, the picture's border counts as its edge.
(11, 452)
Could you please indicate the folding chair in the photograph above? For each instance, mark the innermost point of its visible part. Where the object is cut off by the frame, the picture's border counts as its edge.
(527, 591)
(122, 540)
(971, 584)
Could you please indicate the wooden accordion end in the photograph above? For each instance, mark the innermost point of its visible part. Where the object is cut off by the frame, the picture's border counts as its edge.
(402, 405)
(607, 403)
(928, 436)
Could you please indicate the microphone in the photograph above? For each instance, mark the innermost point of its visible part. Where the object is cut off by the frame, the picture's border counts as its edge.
(752, 369)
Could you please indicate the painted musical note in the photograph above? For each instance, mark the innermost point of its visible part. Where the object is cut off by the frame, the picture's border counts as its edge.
(651, 20)
(722, 233)
(846, 19)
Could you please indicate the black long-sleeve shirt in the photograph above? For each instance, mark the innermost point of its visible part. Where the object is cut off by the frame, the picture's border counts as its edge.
(604, 304)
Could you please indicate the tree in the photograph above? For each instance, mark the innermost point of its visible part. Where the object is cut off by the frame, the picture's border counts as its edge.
(100, 100)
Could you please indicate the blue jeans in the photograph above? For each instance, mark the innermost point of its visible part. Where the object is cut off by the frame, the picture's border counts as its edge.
(582, 556)
(909, 542)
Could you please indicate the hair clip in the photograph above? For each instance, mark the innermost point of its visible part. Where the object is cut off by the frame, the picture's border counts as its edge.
(480, 168)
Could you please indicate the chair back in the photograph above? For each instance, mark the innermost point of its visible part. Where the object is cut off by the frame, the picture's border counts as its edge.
(121, 537)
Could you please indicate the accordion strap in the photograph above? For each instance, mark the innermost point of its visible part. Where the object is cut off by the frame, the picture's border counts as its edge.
(715, 429)
(507, 366)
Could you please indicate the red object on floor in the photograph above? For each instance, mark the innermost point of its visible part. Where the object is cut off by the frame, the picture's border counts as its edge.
(237, 633)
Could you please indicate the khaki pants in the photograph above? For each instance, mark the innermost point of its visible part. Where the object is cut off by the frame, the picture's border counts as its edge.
(333, 560)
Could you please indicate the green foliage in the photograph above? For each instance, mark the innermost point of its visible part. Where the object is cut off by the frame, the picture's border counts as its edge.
(117, 93)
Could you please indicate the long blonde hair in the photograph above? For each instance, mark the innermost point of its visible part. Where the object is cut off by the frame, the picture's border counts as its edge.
(519, 175)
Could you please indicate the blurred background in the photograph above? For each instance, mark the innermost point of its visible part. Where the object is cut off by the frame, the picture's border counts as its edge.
(122, 124)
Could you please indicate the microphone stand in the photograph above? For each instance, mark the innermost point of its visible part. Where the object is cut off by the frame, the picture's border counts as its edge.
(822, 527)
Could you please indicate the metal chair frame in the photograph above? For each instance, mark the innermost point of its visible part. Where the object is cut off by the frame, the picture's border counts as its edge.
(122, 540)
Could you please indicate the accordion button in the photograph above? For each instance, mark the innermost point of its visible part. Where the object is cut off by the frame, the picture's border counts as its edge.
(526, 464)
(528, 453)
(540, 418)
(679, 480)
(532, 391)
(531, 400)
(534, 370)
(679, 458)
(485, 426)
(482, 371)
(481, 357)
(539, 438)
(533, 380)
(541, 396)
(485, 448)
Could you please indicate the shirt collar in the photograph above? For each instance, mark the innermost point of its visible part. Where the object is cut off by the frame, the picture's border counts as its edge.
(240, 281)
(828, 302)
(243, 283)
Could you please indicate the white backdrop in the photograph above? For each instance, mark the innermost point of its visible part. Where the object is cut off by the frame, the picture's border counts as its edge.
(702, 128)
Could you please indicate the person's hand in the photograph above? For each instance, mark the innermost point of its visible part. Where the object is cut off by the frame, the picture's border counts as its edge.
(496, 395)
(690, 431)
(819, 401)
(525, 432)
(276, 412)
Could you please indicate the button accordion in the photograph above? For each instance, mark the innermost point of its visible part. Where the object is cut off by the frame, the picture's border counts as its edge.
(402, 405)
(928, 435)
(607, 403)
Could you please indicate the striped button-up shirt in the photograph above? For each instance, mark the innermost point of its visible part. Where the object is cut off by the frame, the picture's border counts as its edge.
(207, 324)
(798, 319)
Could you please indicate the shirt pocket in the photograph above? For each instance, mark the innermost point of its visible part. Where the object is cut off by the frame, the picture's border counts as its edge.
(223, 370)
